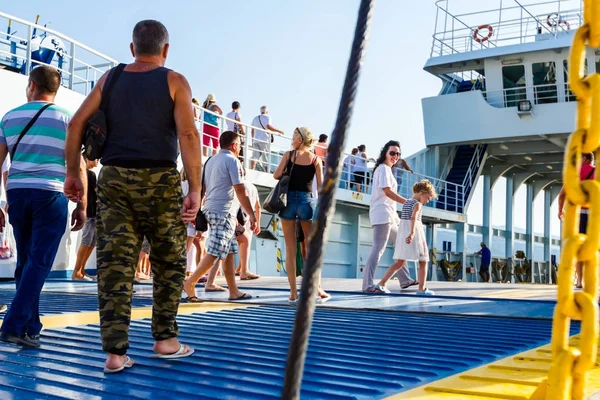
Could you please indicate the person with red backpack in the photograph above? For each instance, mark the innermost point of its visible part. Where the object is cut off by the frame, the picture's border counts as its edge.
(587, 171)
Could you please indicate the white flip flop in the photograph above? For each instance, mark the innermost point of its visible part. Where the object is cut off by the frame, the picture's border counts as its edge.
(178, 354)
(127, 364)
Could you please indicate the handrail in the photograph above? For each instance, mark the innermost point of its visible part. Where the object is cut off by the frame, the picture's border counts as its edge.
(53, 32)
(24, 51)
(451, 38)
(453, 190)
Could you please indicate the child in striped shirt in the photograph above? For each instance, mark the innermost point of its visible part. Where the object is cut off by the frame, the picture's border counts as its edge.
(411, 244)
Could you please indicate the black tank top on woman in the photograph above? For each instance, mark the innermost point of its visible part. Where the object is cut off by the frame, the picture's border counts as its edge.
(140, 122)
(302, 175)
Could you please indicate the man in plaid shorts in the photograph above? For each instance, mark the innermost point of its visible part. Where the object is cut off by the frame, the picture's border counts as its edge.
(224, 182)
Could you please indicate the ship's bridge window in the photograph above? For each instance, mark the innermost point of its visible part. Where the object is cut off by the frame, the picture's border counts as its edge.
(569, 96)
(513, 77)
(544, 82)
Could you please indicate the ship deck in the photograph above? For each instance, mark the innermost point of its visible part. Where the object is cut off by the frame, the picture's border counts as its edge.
(469, 341)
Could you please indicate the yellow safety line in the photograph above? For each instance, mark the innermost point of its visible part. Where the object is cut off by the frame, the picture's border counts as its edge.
(92, 317)
(513, 378)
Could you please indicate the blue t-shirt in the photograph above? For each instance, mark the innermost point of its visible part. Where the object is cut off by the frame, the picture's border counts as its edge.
(486, 255)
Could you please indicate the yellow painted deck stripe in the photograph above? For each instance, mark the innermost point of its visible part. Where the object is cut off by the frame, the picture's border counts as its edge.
(513, 378)
(92, 317)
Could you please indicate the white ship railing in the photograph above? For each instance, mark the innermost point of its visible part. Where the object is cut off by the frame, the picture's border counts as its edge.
(267, 161)
(80, 66)
(537, 94)
(519, 22)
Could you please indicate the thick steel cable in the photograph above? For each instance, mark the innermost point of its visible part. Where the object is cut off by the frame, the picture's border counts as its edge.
(326, 207)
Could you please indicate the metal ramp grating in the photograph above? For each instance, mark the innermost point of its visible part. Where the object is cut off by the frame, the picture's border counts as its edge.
(240, 354)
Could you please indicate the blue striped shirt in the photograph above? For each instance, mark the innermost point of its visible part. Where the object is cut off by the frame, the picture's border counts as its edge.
(407, 210)
(39, 162)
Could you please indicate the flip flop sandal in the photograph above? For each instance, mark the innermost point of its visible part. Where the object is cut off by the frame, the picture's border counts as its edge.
(250, 277)
(413, 283)
(127, 364)
(244, 296)
(178, 354)
(193, 299)
(220, 289)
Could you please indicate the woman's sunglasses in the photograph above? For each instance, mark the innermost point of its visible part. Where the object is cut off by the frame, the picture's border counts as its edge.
(394, 153)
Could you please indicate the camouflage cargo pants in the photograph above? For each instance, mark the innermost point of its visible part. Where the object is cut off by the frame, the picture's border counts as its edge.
(133, 203)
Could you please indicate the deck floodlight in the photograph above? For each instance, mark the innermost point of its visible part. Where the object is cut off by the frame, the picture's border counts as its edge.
(524, 107)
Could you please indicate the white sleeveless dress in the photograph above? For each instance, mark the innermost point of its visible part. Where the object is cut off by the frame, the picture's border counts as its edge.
(417, 250)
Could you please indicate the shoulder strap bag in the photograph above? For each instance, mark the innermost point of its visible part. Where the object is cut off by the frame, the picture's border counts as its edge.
(277, 199)
(95, 132)
(201, 221)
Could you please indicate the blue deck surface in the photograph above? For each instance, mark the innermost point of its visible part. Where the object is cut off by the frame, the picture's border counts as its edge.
(67, 297)
(240, 354)
(59, 303)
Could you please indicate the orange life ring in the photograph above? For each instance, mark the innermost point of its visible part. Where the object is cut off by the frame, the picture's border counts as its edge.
(482, 39)
(553, 24)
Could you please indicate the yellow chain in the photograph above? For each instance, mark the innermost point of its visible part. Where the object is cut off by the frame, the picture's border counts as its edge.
(567, 375)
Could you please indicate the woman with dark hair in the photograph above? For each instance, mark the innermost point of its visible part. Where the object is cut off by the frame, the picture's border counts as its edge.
(383, 216)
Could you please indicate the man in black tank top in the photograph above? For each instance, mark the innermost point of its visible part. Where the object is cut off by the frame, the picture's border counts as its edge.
(139, 191)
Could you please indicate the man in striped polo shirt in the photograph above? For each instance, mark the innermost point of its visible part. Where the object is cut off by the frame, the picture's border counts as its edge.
(37, 206)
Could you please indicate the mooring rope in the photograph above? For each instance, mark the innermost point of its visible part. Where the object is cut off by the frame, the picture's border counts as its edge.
(326, 207)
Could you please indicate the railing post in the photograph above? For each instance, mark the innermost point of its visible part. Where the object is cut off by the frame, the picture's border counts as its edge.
(270, 144)
(247, 149)
(72, 68)
(28, 59)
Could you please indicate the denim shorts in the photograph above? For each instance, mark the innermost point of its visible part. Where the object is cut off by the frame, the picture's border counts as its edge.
(300, 206)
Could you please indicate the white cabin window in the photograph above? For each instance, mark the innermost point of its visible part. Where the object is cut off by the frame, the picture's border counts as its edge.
(544, 82)
(569, 96)
(514, 83)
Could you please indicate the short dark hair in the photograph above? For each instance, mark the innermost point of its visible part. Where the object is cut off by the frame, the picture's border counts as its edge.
(227, 138)
(149, 38)
(235, 105)
(589, 156)
(46, 79)
(362, 147)
(323, 137)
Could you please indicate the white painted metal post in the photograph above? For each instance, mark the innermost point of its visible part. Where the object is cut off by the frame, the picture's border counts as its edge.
(487, 211)
(547, 231)
(461, 248)
(509, 239)
(529, 229)
(72, 67)
(28, 59)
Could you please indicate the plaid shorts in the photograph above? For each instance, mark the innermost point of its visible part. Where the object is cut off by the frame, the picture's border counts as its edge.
(221, 237)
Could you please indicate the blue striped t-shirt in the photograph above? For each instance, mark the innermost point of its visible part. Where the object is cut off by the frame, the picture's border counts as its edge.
(39, 162)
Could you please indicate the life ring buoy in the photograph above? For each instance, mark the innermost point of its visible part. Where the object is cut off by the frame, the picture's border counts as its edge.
(550, 21)
(481, 39)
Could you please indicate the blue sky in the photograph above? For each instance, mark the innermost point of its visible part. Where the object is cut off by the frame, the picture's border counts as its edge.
(288, 55)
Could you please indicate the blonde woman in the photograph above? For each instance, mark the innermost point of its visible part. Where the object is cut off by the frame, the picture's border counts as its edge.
(302, 166)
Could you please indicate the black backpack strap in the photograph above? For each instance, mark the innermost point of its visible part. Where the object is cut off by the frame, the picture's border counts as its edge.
(27, 128)
(112, 77)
